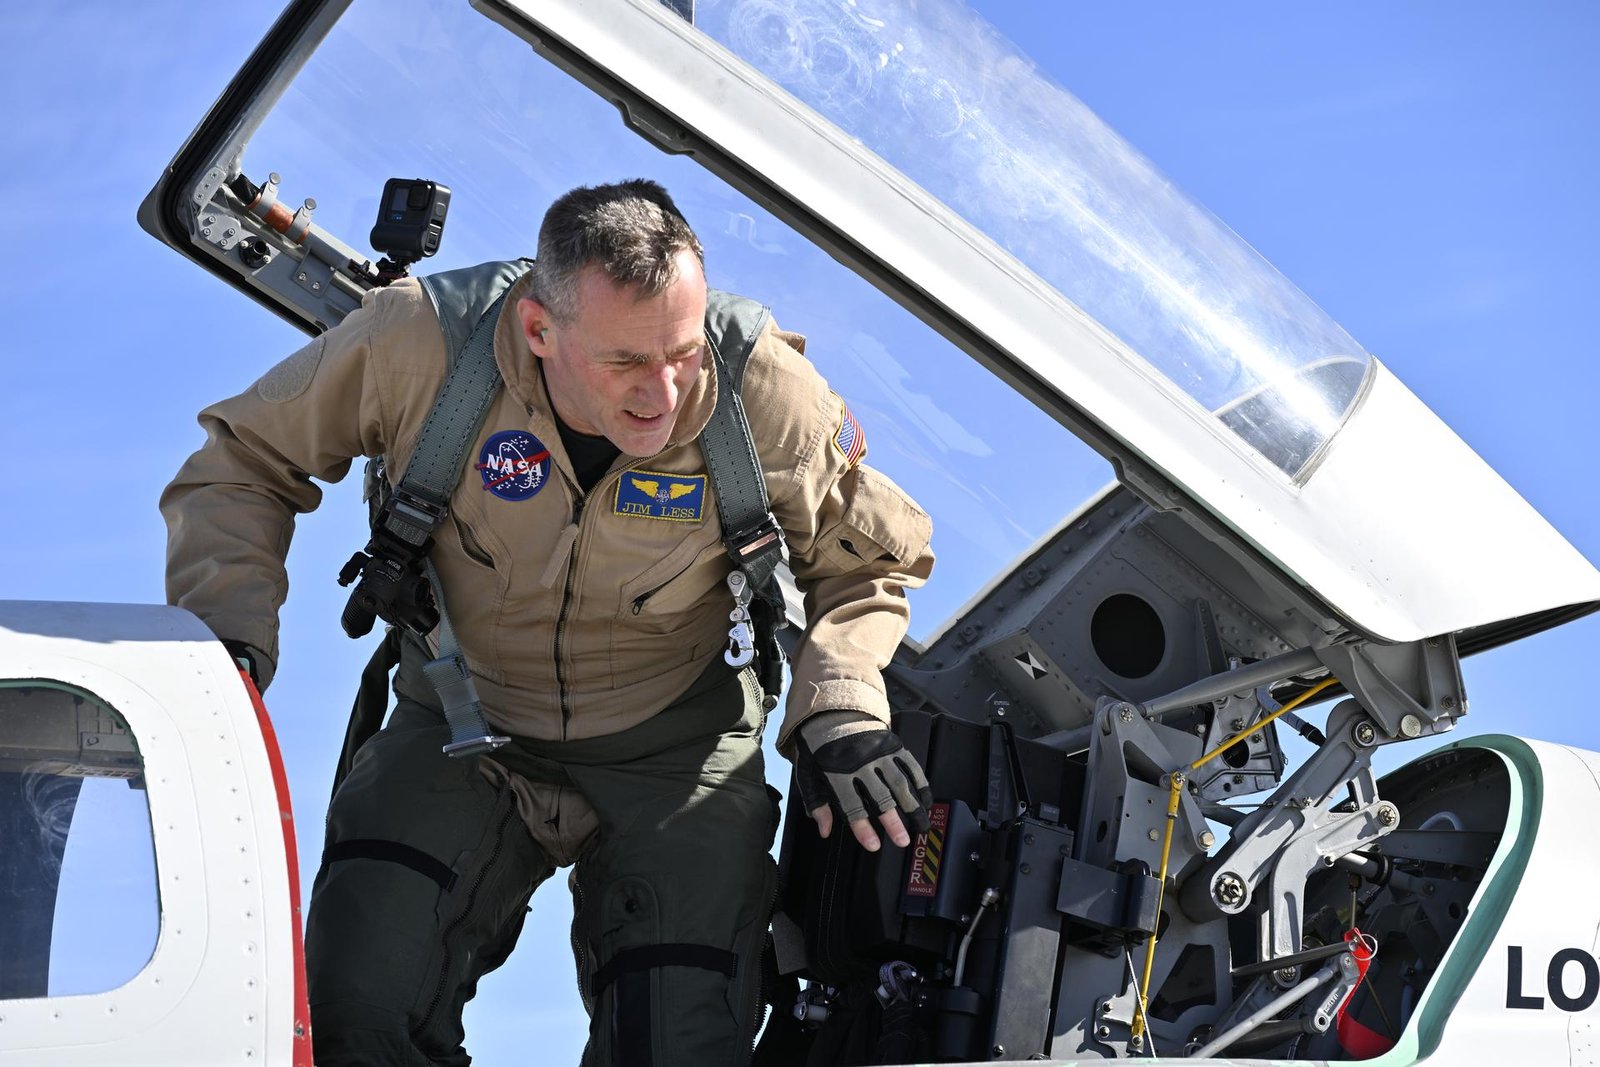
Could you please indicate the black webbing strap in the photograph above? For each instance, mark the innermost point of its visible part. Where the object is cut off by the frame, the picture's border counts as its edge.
(371, 703)
(422, 499)
(649, 957)
(391, 852)
(420, 502)
(753, 539)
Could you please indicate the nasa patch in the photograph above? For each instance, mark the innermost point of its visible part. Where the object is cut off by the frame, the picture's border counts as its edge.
(514, 464)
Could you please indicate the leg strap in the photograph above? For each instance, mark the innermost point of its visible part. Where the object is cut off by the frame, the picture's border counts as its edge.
(648, 957)
(391, 852)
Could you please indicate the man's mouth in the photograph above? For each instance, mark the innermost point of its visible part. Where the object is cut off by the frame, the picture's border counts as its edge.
(648, 420)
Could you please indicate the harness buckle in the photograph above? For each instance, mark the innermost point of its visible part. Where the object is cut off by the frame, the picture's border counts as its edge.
(475, 746)
(746, 545)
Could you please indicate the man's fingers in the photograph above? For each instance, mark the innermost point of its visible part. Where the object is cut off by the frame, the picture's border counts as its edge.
(824, 820)
(894, 828)
(868, 840)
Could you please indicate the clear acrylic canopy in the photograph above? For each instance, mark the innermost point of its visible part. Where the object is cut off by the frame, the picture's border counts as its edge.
(914, 146)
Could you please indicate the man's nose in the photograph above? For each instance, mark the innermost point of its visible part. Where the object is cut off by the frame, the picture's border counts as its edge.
(661, 386)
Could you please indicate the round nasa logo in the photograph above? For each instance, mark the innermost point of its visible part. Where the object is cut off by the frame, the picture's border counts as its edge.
(514, 464)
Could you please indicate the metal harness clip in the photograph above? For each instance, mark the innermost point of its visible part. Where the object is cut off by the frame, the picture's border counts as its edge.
(741, 638)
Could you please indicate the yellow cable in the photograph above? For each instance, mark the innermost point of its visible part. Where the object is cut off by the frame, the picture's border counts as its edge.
(1166, 844)
(1286, 709)
(1173, 798)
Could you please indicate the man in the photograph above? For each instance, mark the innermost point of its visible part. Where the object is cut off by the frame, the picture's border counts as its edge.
(582, 567)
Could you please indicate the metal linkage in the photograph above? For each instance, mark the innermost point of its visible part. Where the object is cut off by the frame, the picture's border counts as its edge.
(1295, 832)
(1340, 973)
(1238, 683)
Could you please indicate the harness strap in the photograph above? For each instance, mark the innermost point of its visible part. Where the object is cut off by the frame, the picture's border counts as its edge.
(391, 852)
(752, 537)
(649, 957)
(451, 678)
(422, 500)
(371, 703)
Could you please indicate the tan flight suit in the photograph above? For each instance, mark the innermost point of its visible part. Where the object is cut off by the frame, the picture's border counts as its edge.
(594, 624)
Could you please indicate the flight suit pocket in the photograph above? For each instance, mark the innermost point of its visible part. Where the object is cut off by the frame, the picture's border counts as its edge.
(880, 524)
(474, 582)
(660, 622)
(675, 583)
(471, 546)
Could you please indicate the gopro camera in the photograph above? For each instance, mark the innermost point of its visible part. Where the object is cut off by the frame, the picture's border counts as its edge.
(410, 219)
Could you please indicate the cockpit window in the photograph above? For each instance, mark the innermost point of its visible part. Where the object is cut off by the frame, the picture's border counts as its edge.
(438, 91)
(79, 911)
(943, 97)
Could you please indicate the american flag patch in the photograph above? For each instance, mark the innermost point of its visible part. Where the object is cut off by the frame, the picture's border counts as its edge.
(849, 439)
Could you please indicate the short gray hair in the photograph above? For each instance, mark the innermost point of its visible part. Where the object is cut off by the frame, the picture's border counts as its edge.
(630, 230)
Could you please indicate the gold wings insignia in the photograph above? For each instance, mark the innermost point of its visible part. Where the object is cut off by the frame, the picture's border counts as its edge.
(680, 489)
(646, 486)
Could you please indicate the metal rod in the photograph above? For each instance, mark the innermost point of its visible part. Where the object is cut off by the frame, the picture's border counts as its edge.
(1204, 691)
(1294, 996)
(1069, 741)
(989, 897)
(1236, 681)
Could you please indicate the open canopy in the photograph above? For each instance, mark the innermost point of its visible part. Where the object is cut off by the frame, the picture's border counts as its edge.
(1054, 280)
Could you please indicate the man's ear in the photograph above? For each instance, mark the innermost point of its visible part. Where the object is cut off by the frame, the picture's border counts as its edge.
(535, 322)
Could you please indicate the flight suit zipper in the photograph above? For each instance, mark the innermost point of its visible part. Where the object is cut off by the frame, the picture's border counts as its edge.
(561, 618)
(644, 598)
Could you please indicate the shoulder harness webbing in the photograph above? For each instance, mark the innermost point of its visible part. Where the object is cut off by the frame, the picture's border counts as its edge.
(468, 303)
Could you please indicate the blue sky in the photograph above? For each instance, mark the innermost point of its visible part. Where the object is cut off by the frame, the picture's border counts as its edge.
(1424, 171)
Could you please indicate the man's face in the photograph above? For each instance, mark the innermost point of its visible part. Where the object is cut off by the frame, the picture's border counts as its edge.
(623, 366)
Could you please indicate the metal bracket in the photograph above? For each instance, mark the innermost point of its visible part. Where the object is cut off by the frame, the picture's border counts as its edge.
(1410, 690)
(1125, 802)
(313, 275)
(1261, 769)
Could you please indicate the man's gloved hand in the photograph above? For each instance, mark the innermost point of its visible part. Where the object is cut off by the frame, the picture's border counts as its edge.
(850, 761)
(246, 658)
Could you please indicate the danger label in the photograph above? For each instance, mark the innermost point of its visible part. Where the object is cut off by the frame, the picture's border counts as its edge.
(927, 854)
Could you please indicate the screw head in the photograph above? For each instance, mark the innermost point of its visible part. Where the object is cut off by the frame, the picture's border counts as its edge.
(1125, 713)
(997, 1051)
(1411, 726)
(1207, 839)
(1365, 735)
(1102, 1030)
(1153, 835)
(1388, 814)
(1228, 890)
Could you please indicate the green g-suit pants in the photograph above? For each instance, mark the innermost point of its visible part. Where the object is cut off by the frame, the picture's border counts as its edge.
(428, 869)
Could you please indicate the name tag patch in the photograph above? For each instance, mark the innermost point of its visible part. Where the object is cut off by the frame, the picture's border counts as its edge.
(515, 465)
(652, 495)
